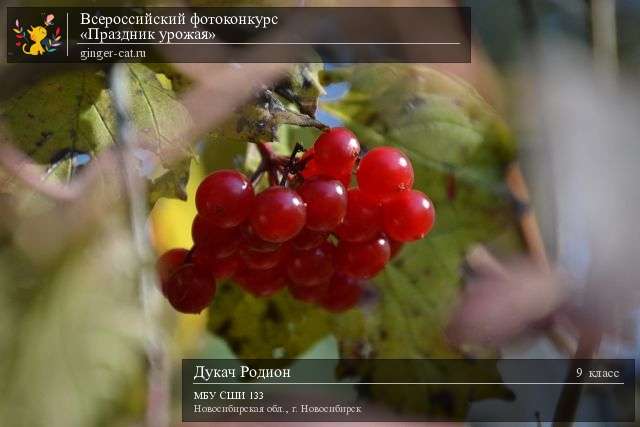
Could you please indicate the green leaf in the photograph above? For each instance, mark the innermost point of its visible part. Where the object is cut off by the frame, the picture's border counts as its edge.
(459, 149)
(277, 327)
(71, 113)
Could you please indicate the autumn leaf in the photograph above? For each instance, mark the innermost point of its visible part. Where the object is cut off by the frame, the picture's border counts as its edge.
(71, 113)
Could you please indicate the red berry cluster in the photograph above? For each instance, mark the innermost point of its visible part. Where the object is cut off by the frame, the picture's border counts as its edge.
(311, 234)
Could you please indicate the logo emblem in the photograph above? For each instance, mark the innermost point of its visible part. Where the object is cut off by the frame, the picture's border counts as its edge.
(39, 40)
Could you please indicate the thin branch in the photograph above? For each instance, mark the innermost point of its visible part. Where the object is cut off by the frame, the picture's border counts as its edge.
(158, 396)
(567, 405)
(290, 166)
(527, 219)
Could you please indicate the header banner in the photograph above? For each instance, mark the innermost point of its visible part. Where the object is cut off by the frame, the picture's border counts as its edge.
(239, 34)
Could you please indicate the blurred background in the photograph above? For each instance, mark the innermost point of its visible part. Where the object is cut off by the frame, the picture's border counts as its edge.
(537, 257)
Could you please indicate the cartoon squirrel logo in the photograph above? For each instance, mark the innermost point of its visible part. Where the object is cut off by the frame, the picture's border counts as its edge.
(43, 41)
(37, 35)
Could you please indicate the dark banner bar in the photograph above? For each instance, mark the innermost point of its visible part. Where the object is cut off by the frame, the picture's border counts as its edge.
(511, 390)
(239, 34)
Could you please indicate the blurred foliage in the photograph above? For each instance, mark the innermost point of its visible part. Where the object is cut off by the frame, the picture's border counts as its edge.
(71, 113)
(71, 326)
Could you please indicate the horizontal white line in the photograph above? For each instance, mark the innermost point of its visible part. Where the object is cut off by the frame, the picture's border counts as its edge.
(276, 43)
(584, 383)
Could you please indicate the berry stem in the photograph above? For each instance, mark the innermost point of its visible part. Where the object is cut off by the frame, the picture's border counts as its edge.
(269, 164)
(258, 173)
(278, 167)
(290, 166)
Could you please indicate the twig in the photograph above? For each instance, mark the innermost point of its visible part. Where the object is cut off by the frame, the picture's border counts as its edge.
(527, 218)
(158, 398)
(532, 236)
(290, 165)
(570, 396)
(262, 167)
(269, 162)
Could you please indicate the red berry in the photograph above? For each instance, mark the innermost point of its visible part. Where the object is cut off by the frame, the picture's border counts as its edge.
(190, 289)
(203, 257)
(312, 267)
(224, 268)
(225, 198)
(384, 172)
(220, 241)
(335, 151)
(209, 263)
(326, 202)
(278, 214)
(308, 239)
(363, 220)
(261, 283)
(395, 247)
(408, 216)
(342, 294)
(311, 294)
(251, 241)
(310, 166)
(311, 170)
(345, 179)
(169, 262)
(362, 260)
(263, 260)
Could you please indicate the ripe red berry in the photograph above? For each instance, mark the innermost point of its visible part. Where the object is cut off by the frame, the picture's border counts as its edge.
(278, 214)
(310, 294)
(362, 260)
(203, 257)
(384, 172)
(342, 293)
(220, 241)
(262, 260)
(308, 239)
(408, 216)
(326, 202)
(207, 261)
(169, 262)
(335, 151)
(345, 178)
(310, 166)
(224, 268)
(225, 198)
(312, 267)
(363, 220)
(251, 241)
(395, 247)
(190, 289)
(261, 283)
